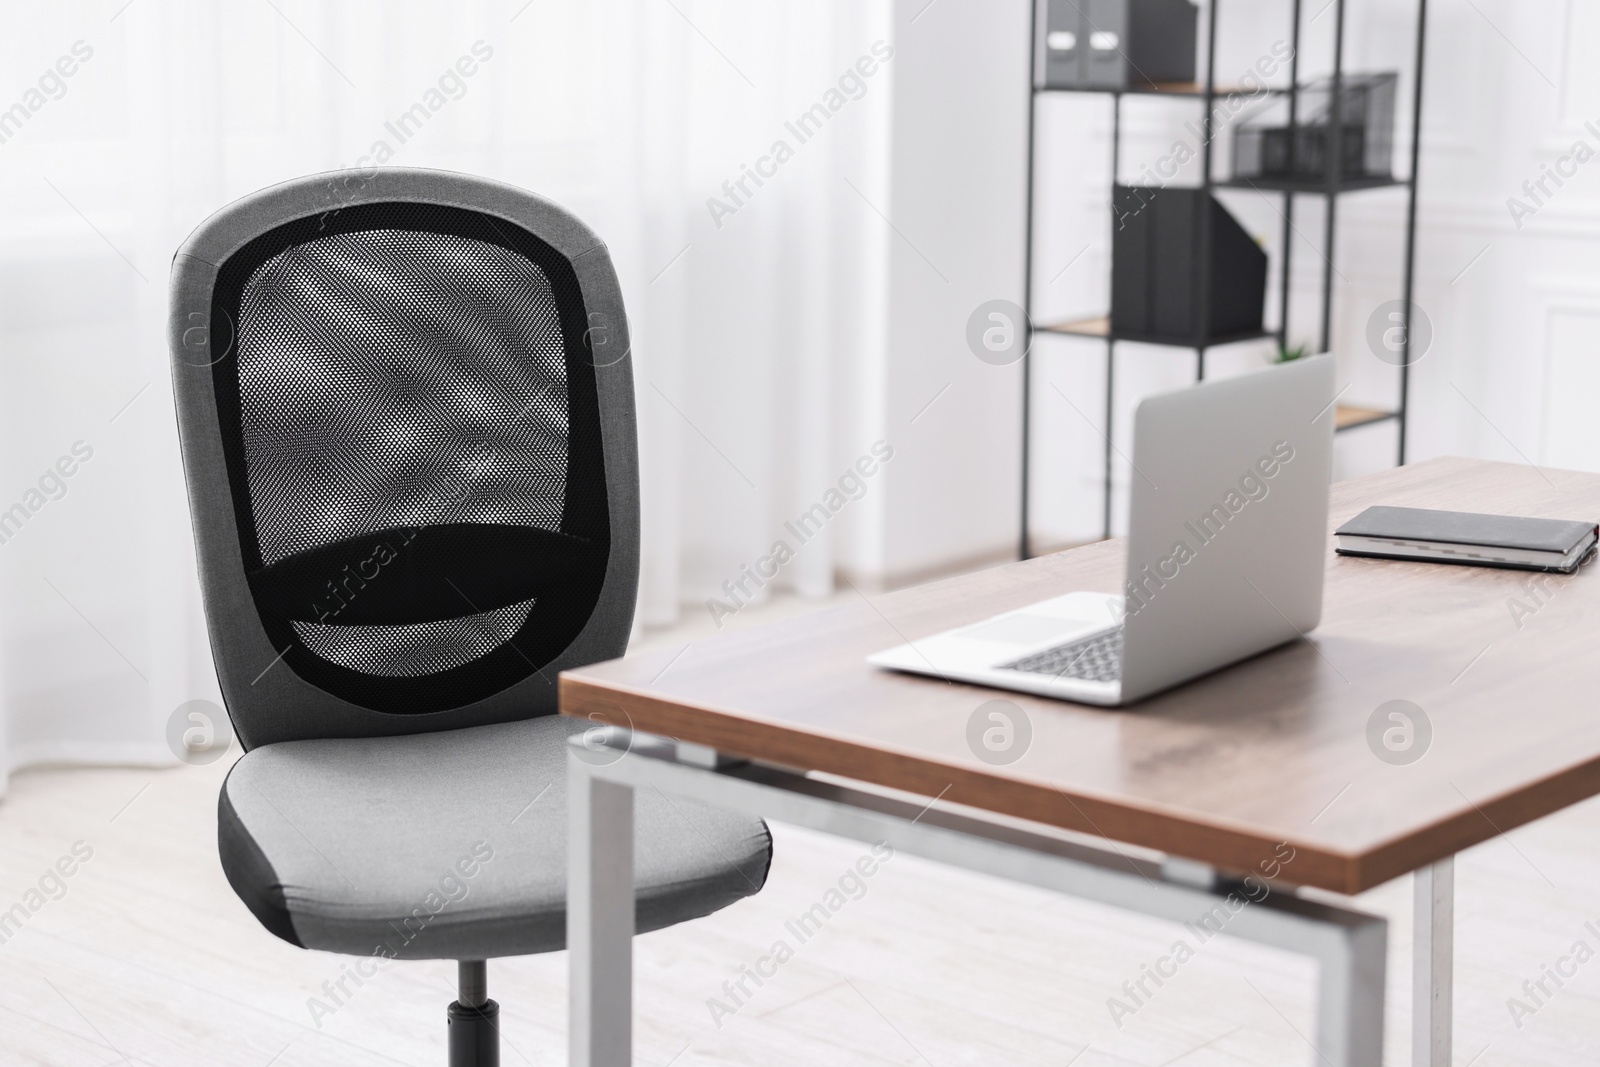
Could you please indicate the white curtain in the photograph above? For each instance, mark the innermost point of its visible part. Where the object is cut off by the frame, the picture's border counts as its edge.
(754, 332)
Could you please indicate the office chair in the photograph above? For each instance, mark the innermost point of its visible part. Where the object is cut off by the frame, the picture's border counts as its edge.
(407, 425)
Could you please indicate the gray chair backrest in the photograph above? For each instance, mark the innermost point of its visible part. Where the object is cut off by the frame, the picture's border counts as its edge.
(407, 424)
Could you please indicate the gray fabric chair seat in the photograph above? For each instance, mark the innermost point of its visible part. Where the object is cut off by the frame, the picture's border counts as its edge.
(452, 845)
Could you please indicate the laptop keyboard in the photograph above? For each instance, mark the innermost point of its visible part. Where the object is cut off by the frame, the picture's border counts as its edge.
(1093, 659)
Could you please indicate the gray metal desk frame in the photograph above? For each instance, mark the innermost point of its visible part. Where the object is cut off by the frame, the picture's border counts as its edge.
(606, 765)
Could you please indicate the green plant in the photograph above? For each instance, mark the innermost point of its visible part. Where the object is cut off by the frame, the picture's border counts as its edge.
(1289, 355)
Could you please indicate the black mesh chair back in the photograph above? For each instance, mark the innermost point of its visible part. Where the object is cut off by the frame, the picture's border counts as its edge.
(407, 423)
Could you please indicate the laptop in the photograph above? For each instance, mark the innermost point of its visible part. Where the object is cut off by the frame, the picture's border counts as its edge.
(1227, 541)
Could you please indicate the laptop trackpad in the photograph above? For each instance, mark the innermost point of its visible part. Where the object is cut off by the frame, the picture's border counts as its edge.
(1024, 629)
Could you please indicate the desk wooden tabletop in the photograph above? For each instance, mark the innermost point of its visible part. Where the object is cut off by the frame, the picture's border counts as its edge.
(1504, 665)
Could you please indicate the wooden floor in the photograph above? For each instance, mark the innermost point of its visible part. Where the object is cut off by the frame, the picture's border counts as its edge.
(148, 958)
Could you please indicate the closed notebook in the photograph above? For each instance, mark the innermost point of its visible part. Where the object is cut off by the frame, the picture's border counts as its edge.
(1463, 537)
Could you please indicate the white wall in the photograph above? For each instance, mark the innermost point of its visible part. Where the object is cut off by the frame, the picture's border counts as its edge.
(957, 138)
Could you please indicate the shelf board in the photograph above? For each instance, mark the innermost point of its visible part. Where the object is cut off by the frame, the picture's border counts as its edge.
(1199, 89)
(1301, 185)
(1184, 89)
(1348, 416)
(1100, 327)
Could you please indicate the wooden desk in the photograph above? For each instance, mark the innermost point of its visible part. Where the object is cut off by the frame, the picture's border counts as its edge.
(1224, 769)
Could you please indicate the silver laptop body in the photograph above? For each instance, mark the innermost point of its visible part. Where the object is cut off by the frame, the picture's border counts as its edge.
(1227, 541)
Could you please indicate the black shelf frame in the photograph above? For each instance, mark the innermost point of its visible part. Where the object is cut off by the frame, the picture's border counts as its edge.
(1178, 89)
(1330, 188)
(1073, 329)
(1315, 188)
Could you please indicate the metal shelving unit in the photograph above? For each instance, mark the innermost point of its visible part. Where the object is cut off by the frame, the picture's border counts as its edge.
(1331, 188)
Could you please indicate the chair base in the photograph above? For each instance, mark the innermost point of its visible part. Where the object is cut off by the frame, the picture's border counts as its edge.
(474, 1035)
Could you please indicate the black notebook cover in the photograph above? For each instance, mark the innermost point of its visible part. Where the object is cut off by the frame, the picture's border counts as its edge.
(1556, 536)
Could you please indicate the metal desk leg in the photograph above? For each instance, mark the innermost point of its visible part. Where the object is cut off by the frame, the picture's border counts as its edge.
(1432, 962)
(1350, 988)
(600, 916)
(1348, 945)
